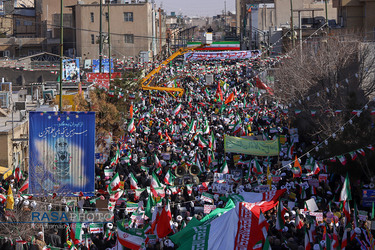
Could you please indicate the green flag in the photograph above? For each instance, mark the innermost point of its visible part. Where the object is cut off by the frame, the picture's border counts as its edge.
(149, 205)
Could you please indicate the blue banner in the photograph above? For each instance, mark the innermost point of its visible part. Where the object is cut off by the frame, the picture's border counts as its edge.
(62, 153)
(105, 66)
(368, 197)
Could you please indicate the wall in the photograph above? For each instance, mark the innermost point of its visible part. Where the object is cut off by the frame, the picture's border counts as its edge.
(6, 145)
(283, 10)
(141, 28)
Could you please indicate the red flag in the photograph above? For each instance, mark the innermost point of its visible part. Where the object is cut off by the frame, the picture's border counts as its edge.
(164, 227)
(218, 92)
(262, 85)
(131, 111)
(230, 98)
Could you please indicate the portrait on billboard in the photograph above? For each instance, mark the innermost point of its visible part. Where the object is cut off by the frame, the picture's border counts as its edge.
(71, 70)
(62, 152)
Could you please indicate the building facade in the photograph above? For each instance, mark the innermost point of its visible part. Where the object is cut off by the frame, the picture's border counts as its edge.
(131, 26)
(357, 16)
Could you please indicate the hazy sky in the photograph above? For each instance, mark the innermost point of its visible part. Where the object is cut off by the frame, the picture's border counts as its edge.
(196, 7)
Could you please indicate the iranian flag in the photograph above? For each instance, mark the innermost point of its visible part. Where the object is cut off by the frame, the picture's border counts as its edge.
(212, 143)
(291, 151)
(345, 194)
(346, 209)
(17, 173)
(202, 143)
(344, 242)
(239, 227)
(342, 159)
(307, 241)
(237, 127)
(280, 216)
(131, 126)
(157, 162)
(207, 197)
(130, 239)
(361, 152)
(316, 168)
(193, 127)
(335, 242)
(206, 127)
(157, 188)
(133, 182)
(114, 184)
(177, 109)
(155, 183)
(298, 222)
(210, 157)
(256, 167)
(353, 155)
(224, 169)
(175, 190)
(25, 185)
(76, 233)
(169, 178)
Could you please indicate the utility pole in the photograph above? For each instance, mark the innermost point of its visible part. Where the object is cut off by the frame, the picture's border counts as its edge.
(109, 47)
(100, 35)
(326, 16)
(61, 52)
(225, 15)
(291, 21)
(160, 31)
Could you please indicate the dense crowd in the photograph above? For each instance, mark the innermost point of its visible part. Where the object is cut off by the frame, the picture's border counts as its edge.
(180, 142)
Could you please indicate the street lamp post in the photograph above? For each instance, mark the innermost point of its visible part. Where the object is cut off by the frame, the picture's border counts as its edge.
(61, 52)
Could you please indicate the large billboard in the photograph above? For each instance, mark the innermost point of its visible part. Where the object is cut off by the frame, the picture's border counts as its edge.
(62, 153)
(105, 66)
(71, 70)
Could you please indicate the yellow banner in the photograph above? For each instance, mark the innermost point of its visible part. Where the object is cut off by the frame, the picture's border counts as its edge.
(251, 147)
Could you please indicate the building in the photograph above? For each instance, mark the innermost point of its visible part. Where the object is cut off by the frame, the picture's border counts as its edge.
(20, 30)
(13, 130)
(259, 23)
(357, 16)
(134, 28)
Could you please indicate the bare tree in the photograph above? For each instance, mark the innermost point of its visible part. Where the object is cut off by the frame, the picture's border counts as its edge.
(331, 75)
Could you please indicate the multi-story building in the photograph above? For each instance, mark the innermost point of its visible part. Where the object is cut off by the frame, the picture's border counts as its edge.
(134, 28)
(357, 16)
(257, 20)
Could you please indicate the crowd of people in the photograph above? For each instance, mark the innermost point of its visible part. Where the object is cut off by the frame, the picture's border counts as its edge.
(173, 154)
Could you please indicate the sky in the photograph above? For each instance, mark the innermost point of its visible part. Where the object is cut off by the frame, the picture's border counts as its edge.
(193, 8)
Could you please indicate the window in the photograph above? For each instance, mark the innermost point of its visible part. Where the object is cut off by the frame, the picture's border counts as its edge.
(128, 16)
(129, 38)
(106, 16)
(27, 23)
(92, 39)
(92, 16)
(18, 22)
